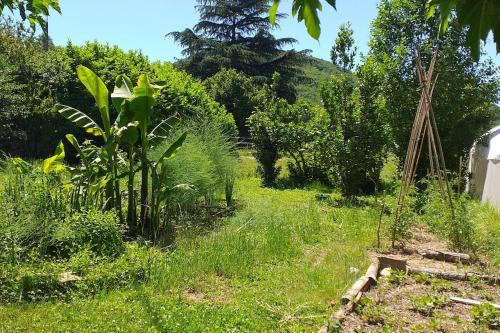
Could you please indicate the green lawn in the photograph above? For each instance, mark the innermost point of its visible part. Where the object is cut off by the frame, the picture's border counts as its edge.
(272, 267)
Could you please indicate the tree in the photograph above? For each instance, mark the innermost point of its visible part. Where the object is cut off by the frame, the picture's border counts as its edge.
(344, 51)
(236, 34)
(465, 90)
(358, 131)
(236, 91)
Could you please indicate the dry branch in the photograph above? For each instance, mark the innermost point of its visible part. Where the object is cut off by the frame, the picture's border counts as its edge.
(472, 302)
(446, 256)
(453, 276)
(362, 284)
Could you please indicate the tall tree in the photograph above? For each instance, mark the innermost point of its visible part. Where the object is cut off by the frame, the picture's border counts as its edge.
(236, 34)
(465, 90)
(344, 50)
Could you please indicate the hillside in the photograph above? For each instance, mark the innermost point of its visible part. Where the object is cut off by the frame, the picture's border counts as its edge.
(318, 70)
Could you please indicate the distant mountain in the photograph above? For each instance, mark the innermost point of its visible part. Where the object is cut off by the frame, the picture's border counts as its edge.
(318, 70)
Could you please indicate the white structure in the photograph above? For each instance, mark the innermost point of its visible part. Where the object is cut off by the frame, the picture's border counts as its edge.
(484, 168)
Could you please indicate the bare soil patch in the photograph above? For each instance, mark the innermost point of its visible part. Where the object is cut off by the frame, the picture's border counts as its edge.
(422, 303)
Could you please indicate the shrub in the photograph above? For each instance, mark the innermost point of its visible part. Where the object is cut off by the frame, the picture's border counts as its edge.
(236, 92)
(358, 132)
(97, 230)
(188, 98)
(486, 315)
(458, 228)
(264, 141)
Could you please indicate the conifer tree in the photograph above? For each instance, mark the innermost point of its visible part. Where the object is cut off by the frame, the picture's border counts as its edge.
(236, 34)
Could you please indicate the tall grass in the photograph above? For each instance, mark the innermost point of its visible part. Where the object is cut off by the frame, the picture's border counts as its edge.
(272, 267)
(206, 162)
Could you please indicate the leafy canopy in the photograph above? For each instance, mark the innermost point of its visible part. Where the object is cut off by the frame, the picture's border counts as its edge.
(344, 50)
(34, 11)
(481, 16)
(304, 10)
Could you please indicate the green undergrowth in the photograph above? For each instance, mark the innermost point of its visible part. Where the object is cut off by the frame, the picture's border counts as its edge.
(274, 265)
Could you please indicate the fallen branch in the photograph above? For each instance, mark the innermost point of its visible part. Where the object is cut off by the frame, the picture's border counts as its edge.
(372, 272)
(339, 316)
(352, 296)
(455, 276)
(445, 256)
(362, 284)
(472, 302)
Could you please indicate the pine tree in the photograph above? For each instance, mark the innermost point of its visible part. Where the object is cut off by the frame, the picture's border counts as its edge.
(236, 34)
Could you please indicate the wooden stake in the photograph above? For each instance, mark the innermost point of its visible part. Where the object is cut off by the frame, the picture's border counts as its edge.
(472, 302)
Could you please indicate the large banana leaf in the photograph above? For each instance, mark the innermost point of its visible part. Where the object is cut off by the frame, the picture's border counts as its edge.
(172, 150)
(56, 162)
(123, 90)
(98, 89)
(79, 118)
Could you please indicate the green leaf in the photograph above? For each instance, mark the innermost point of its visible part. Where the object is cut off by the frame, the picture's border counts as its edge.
(56, 162)
(99, 91)
(79, 118)
(123, 88)
(74, 142)
(144, 87)
(142, 108)
(309, 12)
(172, 150)
(332, 3)
(273, 11)
(128, 133)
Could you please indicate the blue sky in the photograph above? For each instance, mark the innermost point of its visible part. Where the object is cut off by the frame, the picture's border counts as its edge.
(132, 26)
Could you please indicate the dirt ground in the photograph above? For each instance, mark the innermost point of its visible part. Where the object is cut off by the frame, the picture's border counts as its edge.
(421, 303)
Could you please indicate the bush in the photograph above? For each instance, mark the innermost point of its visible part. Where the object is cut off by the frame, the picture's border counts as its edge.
(292, 131)
(34, 80)
(264, 141)
(98, 231)
(236, 92)
(458, 229)
(358, 132)
(188, 98)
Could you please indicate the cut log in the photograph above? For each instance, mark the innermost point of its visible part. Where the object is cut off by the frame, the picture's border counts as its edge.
(445, 256)
(372, 272)
(392, 262)
(362, 284)
(472, 302)
(453, 276)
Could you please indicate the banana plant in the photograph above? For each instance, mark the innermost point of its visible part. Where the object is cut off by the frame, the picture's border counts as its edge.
(135, 109)
(106, 159)
(99, 171)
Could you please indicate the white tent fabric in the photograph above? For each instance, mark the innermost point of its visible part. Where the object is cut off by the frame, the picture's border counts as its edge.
(484, 168)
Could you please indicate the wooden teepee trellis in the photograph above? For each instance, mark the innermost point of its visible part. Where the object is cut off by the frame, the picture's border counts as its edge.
(424, 131)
